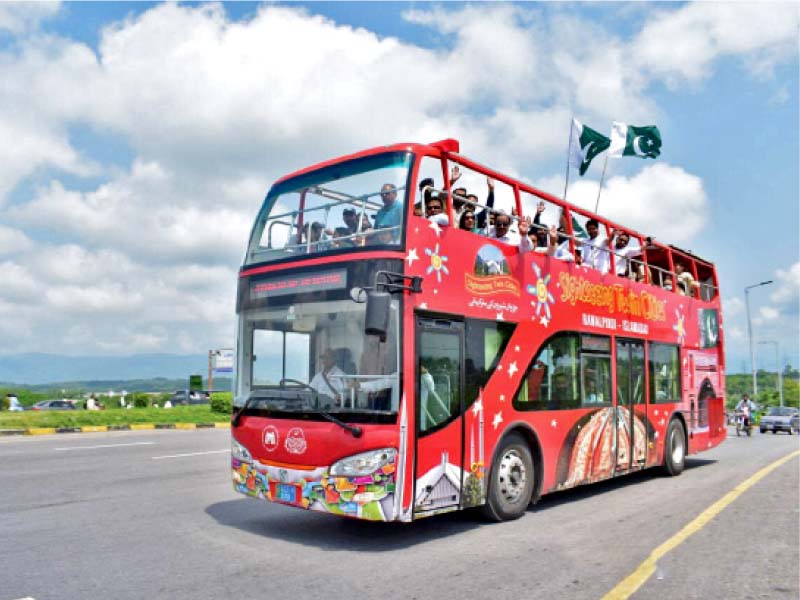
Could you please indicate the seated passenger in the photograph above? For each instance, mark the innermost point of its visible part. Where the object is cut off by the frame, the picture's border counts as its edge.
(350, 218)
(667, 285)
(686, 283)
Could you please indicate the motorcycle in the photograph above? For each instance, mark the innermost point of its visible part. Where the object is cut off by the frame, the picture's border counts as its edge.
(743, 424)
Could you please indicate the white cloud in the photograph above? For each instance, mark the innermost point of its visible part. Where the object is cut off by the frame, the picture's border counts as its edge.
(680, 45)
(788, 291)
(213, 110)
(768, 313)
(20, 17)
(732, 306)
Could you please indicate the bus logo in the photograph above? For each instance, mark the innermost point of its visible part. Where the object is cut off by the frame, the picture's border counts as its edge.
(295, 441)
(270, 438)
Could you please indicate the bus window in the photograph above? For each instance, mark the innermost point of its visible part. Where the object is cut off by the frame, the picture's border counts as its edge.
(664, 373)
(596, 370)
(485, 343)
(705, 277)
(552, 382)
(356, 203)
(439, 381)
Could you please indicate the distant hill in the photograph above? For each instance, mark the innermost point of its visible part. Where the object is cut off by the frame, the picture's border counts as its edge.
(35, 369)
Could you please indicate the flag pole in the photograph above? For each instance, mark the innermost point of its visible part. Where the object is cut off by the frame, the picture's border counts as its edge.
(600, 187)
(569, 147)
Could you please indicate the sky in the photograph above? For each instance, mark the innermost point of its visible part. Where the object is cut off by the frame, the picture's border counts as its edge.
(139, 140)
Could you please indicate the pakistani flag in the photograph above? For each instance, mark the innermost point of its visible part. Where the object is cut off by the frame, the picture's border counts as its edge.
(586, 143)
(627, 140)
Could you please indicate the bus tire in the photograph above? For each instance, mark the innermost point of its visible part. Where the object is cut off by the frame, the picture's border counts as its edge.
(675, 449)
(511, 480)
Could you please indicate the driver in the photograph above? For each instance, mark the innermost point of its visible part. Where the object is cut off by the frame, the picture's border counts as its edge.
(330, 381)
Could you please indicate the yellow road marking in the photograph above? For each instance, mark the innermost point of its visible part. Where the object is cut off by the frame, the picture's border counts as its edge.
(185, 426)
(40, 430)
(138, 426)
(93, 428)
(635, 580)
(225, 425)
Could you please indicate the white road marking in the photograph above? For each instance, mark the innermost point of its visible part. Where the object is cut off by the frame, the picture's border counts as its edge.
(191, 454)
(104, 446)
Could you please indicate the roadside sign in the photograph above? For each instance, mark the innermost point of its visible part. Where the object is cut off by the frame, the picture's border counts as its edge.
(195, 383)
(223, 360)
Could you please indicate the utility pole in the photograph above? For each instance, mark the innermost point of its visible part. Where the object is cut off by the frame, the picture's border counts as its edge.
(210, 371)
(750, 336)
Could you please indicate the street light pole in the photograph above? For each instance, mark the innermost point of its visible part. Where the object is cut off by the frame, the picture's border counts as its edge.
(778, 367)
(750, 336)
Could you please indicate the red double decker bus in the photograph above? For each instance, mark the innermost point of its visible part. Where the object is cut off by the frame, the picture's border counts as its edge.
(392, 366)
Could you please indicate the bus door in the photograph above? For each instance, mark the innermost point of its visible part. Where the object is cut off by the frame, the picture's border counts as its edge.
(632, 422)
(439, 406)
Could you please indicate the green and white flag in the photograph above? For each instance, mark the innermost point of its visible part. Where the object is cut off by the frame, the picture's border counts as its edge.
(585, 144)
(627, 140)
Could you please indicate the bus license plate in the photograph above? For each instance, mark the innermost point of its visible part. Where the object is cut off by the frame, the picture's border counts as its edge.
(287, 493)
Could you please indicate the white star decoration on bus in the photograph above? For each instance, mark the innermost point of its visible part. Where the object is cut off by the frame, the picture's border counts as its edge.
(544, 321)
(478, 406)
(553, 423)
(437, 263)
(498, 418)
(543, 296)
(502, 397)
(679, 327)
(499, 317)
(412, 256)
(512, 368)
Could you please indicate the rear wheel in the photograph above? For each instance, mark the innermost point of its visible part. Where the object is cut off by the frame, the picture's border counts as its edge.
(675, 449)
(511, 481)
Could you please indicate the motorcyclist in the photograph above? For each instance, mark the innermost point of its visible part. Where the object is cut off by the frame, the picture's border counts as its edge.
(746, 408)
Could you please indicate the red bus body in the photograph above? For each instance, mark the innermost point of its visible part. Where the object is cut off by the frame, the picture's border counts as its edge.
(541, 297)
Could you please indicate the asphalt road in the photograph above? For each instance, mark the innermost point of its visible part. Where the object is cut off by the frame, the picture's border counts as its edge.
(153, 515)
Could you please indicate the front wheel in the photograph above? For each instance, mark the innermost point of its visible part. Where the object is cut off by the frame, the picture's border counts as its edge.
(511, 481)
(675, 449)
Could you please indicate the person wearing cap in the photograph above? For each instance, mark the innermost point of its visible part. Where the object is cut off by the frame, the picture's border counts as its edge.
(391, 213)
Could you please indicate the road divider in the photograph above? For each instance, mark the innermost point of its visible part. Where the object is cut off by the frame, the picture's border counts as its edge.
(105, 428)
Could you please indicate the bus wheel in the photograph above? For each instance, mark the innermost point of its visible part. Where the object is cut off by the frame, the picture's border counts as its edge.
(674, 449)
(511, 481)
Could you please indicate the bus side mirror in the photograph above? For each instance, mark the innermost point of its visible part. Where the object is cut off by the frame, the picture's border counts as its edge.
(377, 317)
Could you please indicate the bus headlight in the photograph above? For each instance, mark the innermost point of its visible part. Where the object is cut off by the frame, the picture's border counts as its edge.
(363, 464)
(239, 452)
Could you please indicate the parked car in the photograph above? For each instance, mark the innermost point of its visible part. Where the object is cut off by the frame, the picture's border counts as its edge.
(187, 397)
(780, 418)
(53, 405)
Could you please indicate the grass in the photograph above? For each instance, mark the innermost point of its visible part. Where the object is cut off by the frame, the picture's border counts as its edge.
(111, 416)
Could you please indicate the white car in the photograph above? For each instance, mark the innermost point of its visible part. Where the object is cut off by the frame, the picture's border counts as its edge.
(780, 418)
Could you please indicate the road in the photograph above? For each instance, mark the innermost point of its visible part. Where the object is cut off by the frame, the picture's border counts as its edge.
(131, 515)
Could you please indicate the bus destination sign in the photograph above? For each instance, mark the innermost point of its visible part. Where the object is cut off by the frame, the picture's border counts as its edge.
(334, 279)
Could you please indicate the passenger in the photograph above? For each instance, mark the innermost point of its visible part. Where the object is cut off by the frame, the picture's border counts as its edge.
(418, 209)
(559, 245)
(434, 211)
(667, 285)
(686, 283)
(391, 213)
(459, 194)
(341, 238)
(538, 231)
(623, 251)
(502, 233)
(594, 251)
(484, 220)
(319, 237)
(350, 218)
(467, 221)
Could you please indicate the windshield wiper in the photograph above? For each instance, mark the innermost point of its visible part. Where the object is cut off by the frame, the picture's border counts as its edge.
(356, 431)
(240, 412)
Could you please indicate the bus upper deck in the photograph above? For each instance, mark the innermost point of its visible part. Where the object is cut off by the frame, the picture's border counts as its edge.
(362, 202)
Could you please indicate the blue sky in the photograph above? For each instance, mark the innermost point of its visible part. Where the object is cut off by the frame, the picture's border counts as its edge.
(144, 136)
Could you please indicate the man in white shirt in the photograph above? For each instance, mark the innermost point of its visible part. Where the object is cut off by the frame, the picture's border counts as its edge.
(624, 249)
(594, 251)
(502, 233)
(331, 380)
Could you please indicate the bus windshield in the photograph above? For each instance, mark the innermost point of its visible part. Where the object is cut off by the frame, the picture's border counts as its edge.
(314, 356)
(348, 205)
